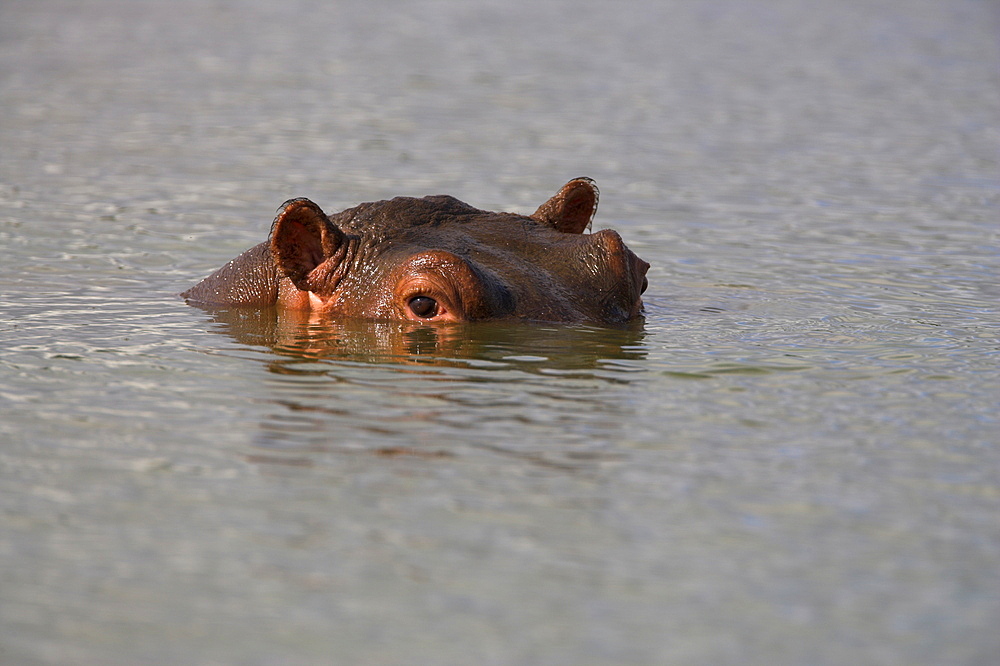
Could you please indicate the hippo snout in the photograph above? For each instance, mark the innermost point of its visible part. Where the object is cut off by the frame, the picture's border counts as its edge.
(626, 269)
(640, 268)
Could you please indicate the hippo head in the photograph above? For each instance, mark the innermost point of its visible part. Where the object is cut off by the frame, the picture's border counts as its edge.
(437, 259)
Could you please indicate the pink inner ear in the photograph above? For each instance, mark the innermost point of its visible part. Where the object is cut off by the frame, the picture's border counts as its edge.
(572, 209)
(303, 239)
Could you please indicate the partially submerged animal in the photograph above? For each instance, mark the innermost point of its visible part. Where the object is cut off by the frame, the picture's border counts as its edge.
(438, 259)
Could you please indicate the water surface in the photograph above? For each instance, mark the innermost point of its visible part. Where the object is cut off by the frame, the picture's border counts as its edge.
(793, 459)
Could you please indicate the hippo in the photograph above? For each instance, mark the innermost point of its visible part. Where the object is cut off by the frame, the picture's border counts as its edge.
(437, 259)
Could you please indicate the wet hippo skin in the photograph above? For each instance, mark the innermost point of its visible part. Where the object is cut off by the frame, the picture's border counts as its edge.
(437, 259)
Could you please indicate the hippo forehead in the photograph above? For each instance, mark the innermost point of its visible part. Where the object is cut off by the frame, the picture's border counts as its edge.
(385, 219)
(444, 222)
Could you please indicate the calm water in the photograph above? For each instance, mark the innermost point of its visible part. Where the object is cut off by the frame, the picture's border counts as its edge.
(795, 459)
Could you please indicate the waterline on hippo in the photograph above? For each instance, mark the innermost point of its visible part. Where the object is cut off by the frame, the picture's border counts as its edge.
(437, 259)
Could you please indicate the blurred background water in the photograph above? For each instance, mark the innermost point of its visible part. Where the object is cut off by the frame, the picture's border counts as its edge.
(793, 460)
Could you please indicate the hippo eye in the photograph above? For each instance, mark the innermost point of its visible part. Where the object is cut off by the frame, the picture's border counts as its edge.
(424, 307)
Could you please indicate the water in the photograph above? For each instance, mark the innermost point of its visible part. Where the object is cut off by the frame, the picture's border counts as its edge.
(794, 459)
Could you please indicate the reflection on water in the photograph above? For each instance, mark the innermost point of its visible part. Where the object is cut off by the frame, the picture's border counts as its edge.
(530, 347)
(353, 385)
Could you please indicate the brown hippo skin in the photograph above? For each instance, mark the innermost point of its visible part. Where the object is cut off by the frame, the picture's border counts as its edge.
(437, 259)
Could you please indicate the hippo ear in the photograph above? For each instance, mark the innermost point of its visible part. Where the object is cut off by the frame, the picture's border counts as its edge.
(572, 209)
(307, 248)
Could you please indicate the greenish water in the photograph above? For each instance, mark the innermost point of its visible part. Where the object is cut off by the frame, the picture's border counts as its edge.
(794, 459)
